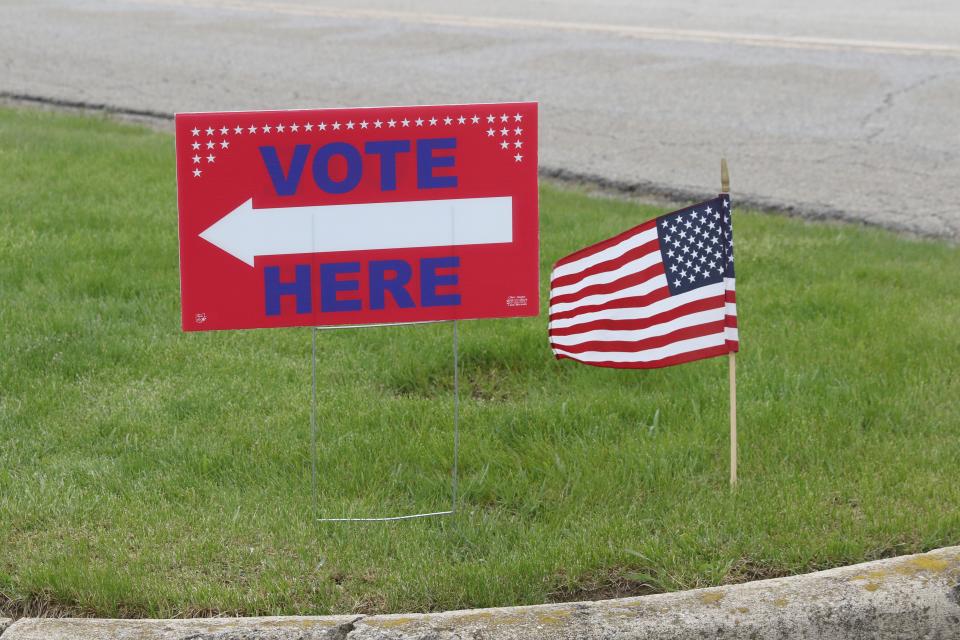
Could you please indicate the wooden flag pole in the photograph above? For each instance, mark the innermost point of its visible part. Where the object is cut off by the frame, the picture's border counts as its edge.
(731, 360)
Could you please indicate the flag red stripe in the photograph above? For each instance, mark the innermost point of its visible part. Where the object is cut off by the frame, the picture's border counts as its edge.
(680, 358)
(623, 303)
(704, 304)
(730, 320)
(610, 265)
(633, 279)
(606, 244)
(633, 346)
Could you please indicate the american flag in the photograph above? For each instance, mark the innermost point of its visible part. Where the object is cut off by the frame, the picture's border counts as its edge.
(660, 294)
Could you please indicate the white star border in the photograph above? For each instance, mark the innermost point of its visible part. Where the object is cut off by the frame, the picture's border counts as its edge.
(506, 130)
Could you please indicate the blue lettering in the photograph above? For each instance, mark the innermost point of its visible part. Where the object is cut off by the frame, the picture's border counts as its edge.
(430, 280)
(273, 289)
(427, 162)
(379, 284)
(388, 150)
(321, 167)
(330, 286)
(285, 184)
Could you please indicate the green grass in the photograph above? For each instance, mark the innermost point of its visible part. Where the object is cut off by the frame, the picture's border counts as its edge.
(144, 471)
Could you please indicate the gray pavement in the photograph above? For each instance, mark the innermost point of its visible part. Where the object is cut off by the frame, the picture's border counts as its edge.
(836, 109)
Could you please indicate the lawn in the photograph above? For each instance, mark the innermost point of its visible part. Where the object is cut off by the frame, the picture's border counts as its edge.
(148, 472)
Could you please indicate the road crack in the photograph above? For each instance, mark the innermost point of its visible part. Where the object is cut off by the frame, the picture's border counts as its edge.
(887, 103)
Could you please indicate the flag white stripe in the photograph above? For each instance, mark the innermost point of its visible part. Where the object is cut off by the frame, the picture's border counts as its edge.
(731, 333)
(656, 282)
(651, 309)
(689, 320)
(604, 277)
(609, 253)
(649, 355)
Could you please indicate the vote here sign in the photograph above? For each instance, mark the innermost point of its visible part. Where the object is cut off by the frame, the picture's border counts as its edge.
(357, 216)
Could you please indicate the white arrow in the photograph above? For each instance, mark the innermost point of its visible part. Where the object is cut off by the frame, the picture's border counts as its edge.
(246, 233)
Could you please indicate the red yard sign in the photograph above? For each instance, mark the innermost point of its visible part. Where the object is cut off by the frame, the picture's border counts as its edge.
(357, 216)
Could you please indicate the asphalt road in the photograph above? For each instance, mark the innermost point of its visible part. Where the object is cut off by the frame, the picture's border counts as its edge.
(839, 109)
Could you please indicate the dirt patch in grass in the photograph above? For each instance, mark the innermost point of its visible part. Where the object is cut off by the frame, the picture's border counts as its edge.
(604, 585)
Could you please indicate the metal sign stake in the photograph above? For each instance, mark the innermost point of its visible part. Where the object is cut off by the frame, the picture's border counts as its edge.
(454, 486)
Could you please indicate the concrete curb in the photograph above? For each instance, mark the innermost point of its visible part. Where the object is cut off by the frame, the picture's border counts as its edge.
(908, 597)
